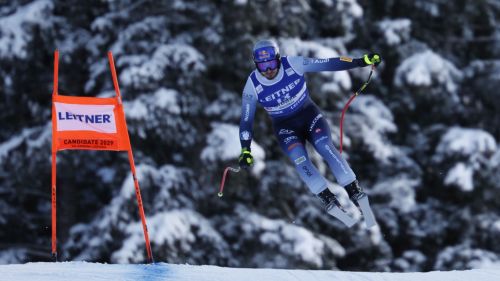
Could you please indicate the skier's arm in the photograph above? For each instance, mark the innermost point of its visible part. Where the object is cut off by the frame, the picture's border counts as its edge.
(248, 105)
(303, 65)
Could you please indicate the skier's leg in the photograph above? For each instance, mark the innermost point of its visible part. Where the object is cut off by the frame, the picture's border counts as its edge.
(307, 171)
(317, 183)
(320, 136)
(292, 144)
(294, 148)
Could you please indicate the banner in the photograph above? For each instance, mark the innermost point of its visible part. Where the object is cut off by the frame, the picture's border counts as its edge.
(88, 123)
(82, 117)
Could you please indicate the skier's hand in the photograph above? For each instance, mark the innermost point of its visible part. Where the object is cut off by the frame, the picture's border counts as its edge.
(246, 158)
(372, 58)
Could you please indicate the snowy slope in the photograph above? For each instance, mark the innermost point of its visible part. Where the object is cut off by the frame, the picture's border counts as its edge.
(161, 271)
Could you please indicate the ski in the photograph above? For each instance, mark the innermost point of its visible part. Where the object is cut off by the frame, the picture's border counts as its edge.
(366, 210)
(342, 216)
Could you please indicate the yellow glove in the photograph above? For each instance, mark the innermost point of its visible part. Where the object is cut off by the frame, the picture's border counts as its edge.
(246, 158)
(373, 58)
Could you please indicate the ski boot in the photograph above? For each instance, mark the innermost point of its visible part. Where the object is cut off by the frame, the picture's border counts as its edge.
(333, 207)
(360, 199)
(355, 192)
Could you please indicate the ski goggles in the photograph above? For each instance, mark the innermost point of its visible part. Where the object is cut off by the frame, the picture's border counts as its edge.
(265, 65)
(264, 54)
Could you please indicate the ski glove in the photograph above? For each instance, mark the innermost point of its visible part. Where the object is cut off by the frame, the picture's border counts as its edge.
(372, 58)
(246, 158)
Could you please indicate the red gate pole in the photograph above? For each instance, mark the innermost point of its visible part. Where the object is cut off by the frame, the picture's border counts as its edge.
(132, 165)
(54, 156)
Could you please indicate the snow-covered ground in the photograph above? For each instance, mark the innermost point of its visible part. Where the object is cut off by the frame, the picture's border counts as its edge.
(161, 271)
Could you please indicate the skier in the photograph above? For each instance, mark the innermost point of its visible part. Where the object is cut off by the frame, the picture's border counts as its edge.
(278, 84)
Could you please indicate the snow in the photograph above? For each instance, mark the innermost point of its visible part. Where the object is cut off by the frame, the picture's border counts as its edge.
(223, 144)
(71, 43)
(495, 159)
(460, 175)
(167, 99)
(399, 191)
(471, 145)
(349, 7)
(240, 2)
(226, 107)
(425, 69)
(299, 47)
(465, 257)
(14, 36)
(410, 260)
(173, 228)
(143, 70)
(33, 137)
(292, 240)
(156, 113)
(106, 174)
(82, 271)
(467, 142)
(12, 256)
(112, 219)
(432, 9)
(161, 99)
(9, 145)
(340, 80)
(396, 31)
(371, 123)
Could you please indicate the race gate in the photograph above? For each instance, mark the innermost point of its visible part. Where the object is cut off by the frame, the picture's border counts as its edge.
(90, 123)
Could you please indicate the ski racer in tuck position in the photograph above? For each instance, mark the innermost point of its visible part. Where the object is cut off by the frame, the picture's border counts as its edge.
(278, 84)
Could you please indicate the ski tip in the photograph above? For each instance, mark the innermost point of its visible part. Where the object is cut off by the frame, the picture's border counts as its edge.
(364, 205)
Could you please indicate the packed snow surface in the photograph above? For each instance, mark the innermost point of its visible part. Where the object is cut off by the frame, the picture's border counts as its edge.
(76, 271)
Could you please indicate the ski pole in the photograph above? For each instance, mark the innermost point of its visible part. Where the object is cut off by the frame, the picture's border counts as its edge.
(349, 102)
(221, 189)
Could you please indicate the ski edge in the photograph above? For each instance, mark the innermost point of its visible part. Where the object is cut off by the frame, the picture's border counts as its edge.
(342, 216)
(366, 210)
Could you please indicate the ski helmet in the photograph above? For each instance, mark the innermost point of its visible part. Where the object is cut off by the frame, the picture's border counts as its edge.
(265, 50)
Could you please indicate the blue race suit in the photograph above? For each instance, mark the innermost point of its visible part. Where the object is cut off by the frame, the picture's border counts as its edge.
(296, 118)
